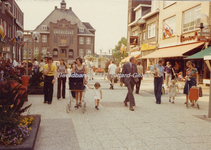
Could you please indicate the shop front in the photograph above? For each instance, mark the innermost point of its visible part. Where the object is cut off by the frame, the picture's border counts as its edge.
(147, 49)
(177, 54)
(5, 50)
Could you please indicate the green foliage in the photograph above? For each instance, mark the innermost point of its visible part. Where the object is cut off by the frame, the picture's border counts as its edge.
(11, 103)
(36, 80)
(117, 55)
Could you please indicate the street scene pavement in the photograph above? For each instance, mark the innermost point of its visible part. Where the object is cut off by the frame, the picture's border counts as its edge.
(114, 127)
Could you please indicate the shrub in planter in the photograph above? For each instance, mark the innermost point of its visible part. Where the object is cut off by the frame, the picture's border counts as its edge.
(13, 127)
(36, 81)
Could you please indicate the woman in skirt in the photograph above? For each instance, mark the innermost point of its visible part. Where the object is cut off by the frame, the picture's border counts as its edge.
(192, 78)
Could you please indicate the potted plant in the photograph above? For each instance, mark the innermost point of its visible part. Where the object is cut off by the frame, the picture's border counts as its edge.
(36, 83)
(14, 127)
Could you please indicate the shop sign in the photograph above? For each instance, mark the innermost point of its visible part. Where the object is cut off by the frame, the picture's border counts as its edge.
(3, 40)
(153, 44)
(133, 40)
(188, 38)
(137, 48)
(6, 49)
(146, 46)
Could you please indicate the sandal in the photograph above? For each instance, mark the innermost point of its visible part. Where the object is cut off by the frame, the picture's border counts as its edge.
(76, 106)
(79, 104)
(185, 103)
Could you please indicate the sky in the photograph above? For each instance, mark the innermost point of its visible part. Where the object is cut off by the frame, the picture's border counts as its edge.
(108, 17)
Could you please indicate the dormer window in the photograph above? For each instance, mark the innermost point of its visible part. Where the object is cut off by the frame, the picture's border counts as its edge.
(44, 27)
(81, 30)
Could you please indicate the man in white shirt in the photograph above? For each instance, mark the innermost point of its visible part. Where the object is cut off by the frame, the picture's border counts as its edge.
(112, 68)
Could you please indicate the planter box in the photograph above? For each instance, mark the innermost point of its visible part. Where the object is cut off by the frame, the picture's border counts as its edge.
(35, 91)
(29, 142)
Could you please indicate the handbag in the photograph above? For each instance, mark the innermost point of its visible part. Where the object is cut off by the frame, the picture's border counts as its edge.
(76, 82)
(162, 90)
(200, 92)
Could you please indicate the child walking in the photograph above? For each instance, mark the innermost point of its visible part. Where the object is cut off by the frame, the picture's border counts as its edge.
(97, 94)
(173, 90)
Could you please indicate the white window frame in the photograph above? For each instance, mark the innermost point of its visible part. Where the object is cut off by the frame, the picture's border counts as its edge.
(44, 27)
(36, 50)
(44, 50)
(189, 17)
(88, 40)
(151, 30)
(81, 52)
(81, 40)
(44, 38)
(168, 3)
(138, 13)
(81, 29)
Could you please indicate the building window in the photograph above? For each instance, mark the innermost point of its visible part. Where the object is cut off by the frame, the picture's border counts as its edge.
(138, 14)
(151, 30)
(140, 37)
(55, 53)
(88, 52)
(44, 50)
(88, 41)
(154, 5)
(36, 51)
(143, 36)
(81, 52)
(81, 30)
(167, 3)
(44, 27)
(81, 40)
(70, 53)
(44, 38)
(189, 18)
(169, 26)
(63, 53)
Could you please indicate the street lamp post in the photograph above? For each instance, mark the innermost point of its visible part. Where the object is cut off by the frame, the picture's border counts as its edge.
(35, 36)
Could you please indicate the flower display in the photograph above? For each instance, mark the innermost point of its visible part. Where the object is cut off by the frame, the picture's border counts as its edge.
(13, 126)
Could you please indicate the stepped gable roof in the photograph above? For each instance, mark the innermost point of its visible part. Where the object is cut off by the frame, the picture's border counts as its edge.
(88, 26)
(59, 14)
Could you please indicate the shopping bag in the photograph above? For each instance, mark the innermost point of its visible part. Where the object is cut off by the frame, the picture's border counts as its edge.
(162, 90)
(76, 82)
(200, 92)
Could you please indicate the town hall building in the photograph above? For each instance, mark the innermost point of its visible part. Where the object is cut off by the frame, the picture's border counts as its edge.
(62, 35)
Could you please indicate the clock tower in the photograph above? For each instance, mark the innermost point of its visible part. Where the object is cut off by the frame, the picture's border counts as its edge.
(63, 5)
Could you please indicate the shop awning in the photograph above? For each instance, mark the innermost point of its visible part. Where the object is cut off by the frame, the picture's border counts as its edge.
(201, 54)
(173, 51)
(126, 59)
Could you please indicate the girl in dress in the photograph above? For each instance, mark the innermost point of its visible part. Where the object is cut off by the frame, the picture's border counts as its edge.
(173, 90)
(97, 94)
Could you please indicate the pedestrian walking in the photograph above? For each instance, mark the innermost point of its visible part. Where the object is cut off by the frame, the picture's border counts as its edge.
(41, 65)
(158, 71)
(50, 73)
(128, 77)
(35, 65)
(140, 76)
(90, 69)
(168, 71)
(62, 73)
(82, 70)
(191, 78)
(176, 67)
(173, 90)
(112, 70)
(97, 94)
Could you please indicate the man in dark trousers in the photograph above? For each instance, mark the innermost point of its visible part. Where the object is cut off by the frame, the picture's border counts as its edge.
(129, 78)
(158, 70)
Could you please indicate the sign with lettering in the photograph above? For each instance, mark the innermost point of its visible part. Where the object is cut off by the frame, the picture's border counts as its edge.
(146, 46)
(137, 48)
(202, 39)
(133, 40)
(6, 49)
(188, 38)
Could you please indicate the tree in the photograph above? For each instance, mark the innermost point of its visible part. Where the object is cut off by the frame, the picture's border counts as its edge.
(117, 55)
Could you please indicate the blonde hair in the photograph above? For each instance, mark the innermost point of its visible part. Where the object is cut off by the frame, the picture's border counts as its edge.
(173, 81)
(190, 63)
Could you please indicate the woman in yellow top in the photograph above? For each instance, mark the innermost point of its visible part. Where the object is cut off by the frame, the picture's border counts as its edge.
(50, 72)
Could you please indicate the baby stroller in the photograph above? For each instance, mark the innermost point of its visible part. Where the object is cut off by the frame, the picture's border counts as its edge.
(76, 84)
